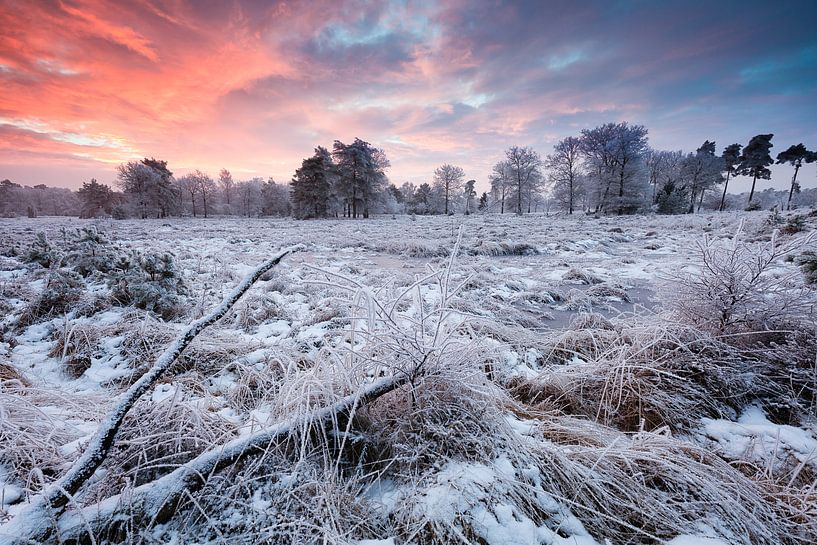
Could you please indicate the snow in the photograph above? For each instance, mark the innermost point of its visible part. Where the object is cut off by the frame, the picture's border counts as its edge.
(753, 437)
(215, 255)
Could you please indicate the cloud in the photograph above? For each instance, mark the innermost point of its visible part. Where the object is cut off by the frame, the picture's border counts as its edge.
(253, 85)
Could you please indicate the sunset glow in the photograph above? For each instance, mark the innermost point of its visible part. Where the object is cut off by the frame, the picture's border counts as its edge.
(255, 86)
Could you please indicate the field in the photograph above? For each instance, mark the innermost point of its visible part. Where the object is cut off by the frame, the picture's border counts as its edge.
(486, 379)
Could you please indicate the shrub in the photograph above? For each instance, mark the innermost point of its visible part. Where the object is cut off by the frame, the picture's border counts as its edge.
(149, 282)
(794, 224)
(63, 289)
(42, 252)
(733, 288)
(90, 251)
(808, 264)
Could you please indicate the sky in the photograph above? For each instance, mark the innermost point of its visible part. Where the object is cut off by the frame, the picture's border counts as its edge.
(254, 86)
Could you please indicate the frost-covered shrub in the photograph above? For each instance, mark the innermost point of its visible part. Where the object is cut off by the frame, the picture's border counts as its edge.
(808, 264)
(149, 282)
(62, 291)
(89, 251)
(734, 287)
(600, 293)
(643, 377)
(42, 252)
(794, 224)
(753, 206)
(490, 248)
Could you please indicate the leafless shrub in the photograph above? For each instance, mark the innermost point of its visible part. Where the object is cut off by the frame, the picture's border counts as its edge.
(736, 289)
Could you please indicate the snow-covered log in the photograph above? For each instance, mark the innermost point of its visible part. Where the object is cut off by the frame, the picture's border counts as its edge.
(45, 508)
(156, 501)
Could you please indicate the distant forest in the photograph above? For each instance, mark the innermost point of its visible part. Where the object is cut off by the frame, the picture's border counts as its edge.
(610, 169)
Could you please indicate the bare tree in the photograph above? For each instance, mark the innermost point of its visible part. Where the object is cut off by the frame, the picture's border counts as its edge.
(227, 186)
(564, 172)
(207, 189)
(525, 167)
(615, 153)
(500, 183)
(447, 179)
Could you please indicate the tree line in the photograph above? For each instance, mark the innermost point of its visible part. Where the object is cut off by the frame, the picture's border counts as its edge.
(609, 169)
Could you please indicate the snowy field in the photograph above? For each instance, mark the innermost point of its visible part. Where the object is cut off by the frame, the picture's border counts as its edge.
(558, 380)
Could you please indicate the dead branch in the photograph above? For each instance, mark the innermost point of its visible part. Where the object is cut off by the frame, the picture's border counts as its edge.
(31, 522)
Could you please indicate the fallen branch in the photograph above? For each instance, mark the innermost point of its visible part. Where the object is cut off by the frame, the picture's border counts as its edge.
(36, 517)
(157, 501)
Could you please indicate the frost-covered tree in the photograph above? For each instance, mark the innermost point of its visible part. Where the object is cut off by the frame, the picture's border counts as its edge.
(407, 190)
(148, 185)
(701, 171)
(199, 187)
(470, 193)
(310, 189)
(95, 197)
(795, 156)
(730, 159)
(361, 175)
(448, 179)
(227, 186)
(755, 160)
(525, 173)
(565, 173)
(500, 179)
(483, 202)
(249, 194)
(614, 154)
(186, 186)
(275, 199)
(207, 190)
(423, 201)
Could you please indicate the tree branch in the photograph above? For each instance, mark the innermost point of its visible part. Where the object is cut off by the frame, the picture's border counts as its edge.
(51, 501)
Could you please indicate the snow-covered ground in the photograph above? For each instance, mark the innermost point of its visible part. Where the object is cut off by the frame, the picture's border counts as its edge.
(553, 334)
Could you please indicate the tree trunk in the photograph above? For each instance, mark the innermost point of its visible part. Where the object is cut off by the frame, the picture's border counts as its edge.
(723, 197)
(519, 198)
(752, 192)
(793, 184)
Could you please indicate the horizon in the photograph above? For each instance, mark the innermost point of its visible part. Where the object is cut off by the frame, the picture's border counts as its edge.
(254, 86)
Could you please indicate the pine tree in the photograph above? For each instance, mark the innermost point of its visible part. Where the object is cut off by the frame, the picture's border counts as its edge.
(310, 187)
(731, 160)
(483, 201)
(755, 160)
(795, 156)
(95, 197)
